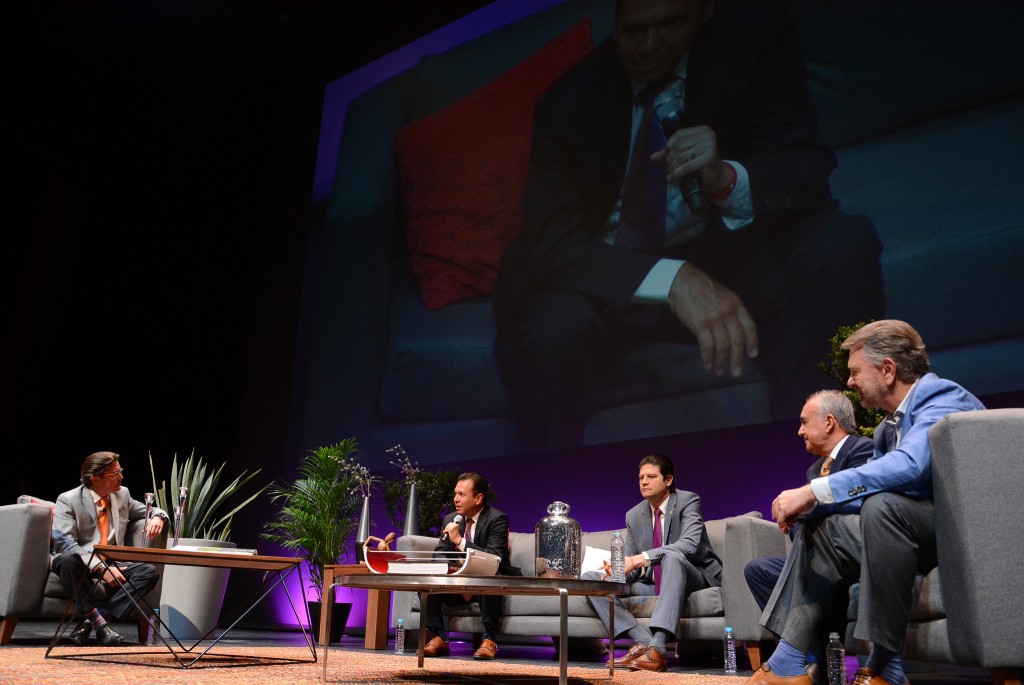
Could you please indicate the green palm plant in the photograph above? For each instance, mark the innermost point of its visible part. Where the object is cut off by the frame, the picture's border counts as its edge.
(202, 517)
(318, 510)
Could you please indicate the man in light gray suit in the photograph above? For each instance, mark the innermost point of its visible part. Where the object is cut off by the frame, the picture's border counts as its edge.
(891, 540)
(668, 555)
(98, 512)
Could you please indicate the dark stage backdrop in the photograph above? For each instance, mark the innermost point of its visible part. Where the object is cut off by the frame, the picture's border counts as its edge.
(157, 171)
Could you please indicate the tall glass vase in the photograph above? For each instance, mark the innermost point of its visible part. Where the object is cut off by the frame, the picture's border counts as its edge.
(412, 513)
(364, 528)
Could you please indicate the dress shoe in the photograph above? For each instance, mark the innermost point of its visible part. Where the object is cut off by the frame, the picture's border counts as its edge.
(634, 652)
(867, 676)
(80, 635)
(488, 650)
(436, 647)
(764, 676)
(651, 660)
(107, 636)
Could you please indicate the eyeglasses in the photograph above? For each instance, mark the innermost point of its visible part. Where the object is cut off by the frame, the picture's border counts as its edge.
(113, 474)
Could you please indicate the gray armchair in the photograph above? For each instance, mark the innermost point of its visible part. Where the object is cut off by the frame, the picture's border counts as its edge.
(27, 587)
(968, 611)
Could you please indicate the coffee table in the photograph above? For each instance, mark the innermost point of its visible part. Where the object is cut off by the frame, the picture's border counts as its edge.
(275, 571)
(495, 585)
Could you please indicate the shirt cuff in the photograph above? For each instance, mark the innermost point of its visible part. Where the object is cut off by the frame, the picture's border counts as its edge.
(738, 209)
(822, 490)
(656, 285)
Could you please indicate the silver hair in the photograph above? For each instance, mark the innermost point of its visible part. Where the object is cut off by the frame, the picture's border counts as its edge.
(836, 403)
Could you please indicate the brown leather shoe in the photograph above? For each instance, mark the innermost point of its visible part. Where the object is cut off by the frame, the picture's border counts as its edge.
(651, 660)
(764, 676)
(436, 647)
(635, 651)
(488, 650)
(867, 676)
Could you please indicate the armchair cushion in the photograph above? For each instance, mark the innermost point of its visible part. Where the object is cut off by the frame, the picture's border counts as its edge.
(463, 169)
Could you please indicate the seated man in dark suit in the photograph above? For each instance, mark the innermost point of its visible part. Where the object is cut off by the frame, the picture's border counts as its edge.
(483, 528)
(828, 427)
(98, 513)
(610, 253)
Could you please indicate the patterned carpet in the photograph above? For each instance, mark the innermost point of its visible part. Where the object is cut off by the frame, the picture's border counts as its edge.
(27, 666)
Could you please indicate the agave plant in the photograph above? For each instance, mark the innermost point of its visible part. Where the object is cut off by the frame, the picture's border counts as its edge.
(318, 510)
(202, 517)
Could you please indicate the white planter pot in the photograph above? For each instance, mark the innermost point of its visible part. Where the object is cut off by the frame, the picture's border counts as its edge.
(191, 598)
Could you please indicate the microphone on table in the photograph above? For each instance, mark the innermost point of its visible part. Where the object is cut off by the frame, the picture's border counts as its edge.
(668, 107)
(457, 519)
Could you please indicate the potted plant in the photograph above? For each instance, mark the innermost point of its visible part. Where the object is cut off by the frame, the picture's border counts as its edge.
(191, 597)
(317, 517)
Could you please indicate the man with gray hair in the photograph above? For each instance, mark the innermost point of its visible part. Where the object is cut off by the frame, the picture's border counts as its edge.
(828, 427)
(890, 540)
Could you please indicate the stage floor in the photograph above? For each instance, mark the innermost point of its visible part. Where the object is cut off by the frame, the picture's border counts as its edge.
(38, 633)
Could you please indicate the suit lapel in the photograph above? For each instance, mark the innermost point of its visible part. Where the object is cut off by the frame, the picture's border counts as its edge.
(115, 517)
(669, 517)
(89, 506)
(613, 112)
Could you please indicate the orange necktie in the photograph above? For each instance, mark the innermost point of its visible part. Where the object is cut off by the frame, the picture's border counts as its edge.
(103, 519)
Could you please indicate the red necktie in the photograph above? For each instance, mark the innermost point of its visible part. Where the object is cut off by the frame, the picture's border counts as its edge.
(657, 544)
(645, 190)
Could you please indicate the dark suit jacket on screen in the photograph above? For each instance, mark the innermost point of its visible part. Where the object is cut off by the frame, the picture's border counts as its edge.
(761, 113)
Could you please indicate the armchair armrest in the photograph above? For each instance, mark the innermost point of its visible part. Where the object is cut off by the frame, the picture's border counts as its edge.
(25, 539)
(746, 538)
(977, 479)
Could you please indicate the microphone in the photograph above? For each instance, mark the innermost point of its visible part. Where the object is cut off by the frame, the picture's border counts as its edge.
(668, 107)
(457, 519)
(150, 500)
(179, 515)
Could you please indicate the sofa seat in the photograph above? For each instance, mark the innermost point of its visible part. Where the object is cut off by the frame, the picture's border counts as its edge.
(705, 614)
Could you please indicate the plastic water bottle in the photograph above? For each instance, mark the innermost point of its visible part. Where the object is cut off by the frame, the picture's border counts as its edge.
(154, 625)
(835, 656)
(618, 553)
(729, 651)
(399, 637)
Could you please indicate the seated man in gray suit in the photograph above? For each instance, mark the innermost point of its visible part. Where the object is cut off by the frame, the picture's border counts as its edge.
(97, 512)
(827, 426)
(885, 543)
(668, 554)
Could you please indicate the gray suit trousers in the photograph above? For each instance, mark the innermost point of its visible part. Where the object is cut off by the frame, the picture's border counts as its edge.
(883, 548)
(678, 578)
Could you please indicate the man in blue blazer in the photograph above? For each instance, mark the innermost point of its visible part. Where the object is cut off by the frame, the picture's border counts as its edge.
(893, 537)
(668, 555)
(738, 279)
(827, 426)
(98, 513)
